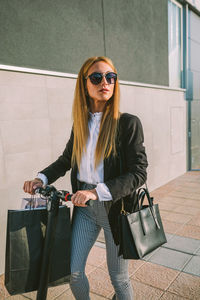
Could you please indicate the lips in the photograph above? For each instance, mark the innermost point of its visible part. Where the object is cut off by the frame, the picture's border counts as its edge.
(104, 90)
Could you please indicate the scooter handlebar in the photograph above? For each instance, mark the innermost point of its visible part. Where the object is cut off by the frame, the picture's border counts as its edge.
(63, 195)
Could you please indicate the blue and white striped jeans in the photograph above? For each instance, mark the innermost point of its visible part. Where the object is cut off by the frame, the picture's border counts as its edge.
(86, 226)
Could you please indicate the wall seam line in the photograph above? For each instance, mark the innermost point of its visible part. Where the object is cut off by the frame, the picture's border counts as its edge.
(103, 21)
(74, 76)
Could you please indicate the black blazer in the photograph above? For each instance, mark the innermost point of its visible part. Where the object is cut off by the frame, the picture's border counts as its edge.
(123, 173)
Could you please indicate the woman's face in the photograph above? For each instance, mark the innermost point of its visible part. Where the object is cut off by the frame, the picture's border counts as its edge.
(103, 91)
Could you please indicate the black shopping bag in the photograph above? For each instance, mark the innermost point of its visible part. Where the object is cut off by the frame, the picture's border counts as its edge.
(24, 248)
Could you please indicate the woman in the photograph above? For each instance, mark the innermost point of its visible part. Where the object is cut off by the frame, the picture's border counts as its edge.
(108, 161)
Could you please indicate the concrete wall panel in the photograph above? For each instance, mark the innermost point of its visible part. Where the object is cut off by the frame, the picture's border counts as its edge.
(53, 35)
(136, 37)
(20, 105)
(177, 121)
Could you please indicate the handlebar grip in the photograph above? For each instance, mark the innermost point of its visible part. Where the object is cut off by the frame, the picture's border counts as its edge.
(68, 197)
(89, 202)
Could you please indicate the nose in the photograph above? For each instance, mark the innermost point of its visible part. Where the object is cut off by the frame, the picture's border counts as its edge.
(104, 81)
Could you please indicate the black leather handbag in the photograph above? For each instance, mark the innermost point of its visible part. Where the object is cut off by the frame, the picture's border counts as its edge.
(142, 231)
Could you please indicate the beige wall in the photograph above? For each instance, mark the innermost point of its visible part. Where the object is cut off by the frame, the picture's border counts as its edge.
(35, 123)
(163, 115)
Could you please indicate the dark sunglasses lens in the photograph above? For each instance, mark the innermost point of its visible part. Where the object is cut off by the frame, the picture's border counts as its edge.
(111, 77)
(95, 78)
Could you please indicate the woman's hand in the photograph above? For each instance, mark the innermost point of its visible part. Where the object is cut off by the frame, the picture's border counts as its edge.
(31, 185)
(81, 197)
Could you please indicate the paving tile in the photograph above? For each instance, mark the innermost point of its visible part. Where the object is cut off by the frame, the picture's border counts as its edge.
(16, 297)
(3, 292)
(134, 265)
(30, 295)
(167, 199)
(198, 252)
(183, 244)
(103, 266)
(170, 258)
(89, 268)
(54, 292)
(155, 275)
(170, 296)
(171, 227)
(96, 297)
(169, 236)
(188, 189)
(195, 220)
(100, 282)
(66, 295)
(164, 214)
(193, 266)
(187, 286)
(190, 231)
(175, 217)
(170, 200)
(145, 292)
(148, 256)
(168, 206)
(194, 203)
(193, 196)
(187, 210)
(97, 256)
(158, 195)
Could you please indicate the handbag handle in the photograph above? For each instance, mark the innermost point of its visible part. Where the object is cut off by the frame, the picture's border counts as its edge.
(142, 192)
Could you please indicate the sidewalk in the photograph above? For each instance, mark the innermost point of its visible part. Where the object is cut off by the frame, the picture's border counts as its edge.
(172, 272)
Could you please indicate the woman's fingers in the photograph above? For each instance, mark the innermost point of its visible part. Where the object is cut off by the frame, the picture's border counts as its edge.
(26, 187)
(81, 197)
(31, 185)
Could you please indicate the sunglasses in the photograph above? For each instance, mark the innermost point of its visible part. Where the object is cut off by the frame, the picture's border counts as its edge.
(96, 77)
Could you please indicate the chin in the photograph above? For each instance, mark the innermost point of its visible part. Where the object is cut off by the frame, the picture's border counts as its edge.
(104, 98)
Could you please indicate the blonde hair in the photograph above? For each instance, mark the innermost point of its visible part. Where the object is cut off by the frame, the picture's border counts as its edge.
(109, 121)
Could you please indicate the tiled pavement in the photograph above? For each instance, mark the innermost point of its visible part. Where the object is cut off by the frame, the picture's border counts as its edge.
(172, 272)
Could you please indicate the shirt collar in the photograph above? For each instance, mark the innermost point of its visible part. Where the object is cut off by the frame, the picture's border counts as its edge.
(96, 116)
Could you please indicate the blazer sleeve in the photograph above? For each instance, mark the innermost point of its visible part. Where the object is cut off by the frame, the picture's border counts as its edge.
(62, 164)
(133, 159)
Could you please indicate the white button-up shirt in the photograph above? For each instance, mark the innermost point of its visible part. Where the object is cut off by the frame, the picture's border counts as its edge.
(87, 172)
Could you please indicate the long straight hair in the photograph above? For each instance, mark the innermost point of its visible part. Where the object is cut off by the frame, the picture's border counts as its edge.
(80, 112)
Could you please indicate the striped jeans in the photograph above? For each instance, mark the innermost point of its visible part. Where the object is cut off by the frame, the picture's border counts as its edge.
(86, 226)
